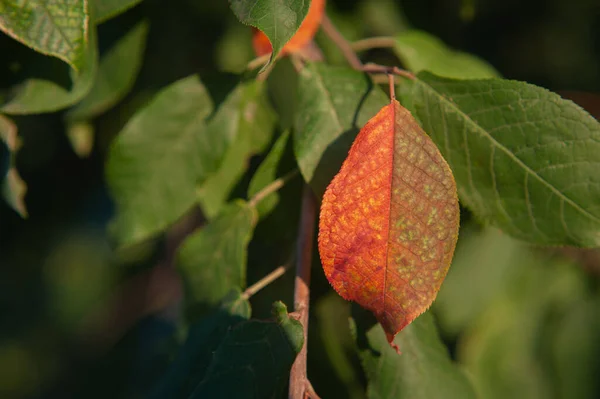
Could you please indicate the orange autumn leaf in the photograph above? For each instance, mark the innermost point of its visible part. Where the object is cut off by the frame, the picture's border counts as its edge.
(389, 220)
(301, 38)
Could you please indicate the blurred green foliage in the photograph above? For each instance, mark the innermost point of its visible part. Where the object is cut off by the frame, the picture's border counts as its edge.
(81, 318)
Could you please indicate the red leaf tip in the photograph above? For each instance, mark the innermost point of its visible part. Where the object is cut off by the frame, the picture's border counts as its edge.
(390, 338)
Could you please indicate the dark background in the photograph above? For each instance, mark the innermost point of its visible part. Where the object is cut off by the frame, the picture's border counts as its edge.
(58, 268)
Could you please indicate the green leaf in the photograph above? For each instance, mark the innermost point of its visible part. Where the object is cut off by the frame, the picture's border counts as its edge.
(503, 350)
(37, 95)
(194, 356)
(81, 136)
(116, 75)
(155, 162)
(576, 351)
(338, 355)
(103, 10)
(58, 28)
(278, 19)
(484, 257)
(254, 359)
(282, 84)
(266, 174)
(245, 122)
(13, 187)
(523, 158)
(212, 261)
(419, 51)
(423, 369)
(333, 104)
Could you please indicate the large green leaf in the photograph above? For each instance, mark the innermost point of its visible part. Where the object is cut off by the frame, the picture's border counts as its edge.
(245, 122)
(38, 95)
(58, 28)
(266, 174)
(194, 356)
(212, 261)
(523, 158)
(333, 350)
(423, 370)
(155, 162)
(334, 103)
(254, 359)
(13, 187)
(278, 19)
(504, 349)
(479, 269)
(117, 71)
(576, 351)
(421, 51)
(103, 10)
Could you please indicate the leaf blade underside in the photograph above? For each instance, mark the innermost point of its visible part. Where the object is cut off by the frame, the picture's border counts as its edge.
(389, 220)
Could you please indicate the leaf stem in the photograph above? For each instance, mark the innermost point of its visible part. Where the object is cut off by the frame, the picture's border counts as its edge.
(298, 379)
(258, 62)
(266, 280)
(373, 42)
(350, 55)
(272, 187)
(392, 84)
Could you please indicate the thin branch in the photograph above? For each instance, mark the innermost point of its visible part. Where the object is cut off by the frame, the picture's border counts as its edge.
(373, 42)
(350, 55)
(376, 68)
(297, 61)
(266, 280)
(311, 391)
(272, 187)
(344, 46)
(380, 79)
(258, 62)
(298, 378)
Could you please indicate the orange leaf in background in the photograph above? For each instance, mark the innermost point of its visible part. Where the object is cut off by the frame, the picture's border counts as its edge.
(389, 220)
(303, 36)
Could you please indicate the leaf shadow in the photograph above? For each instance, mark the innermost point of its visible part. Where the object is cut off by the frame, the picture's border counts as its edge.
(336, 152)
(21, 64)
(364, 321)
(193, 358)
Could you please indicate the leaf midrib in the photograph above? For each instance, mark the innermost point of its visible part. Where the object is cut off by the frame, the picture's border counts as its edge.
(391, 181)
(497, 144)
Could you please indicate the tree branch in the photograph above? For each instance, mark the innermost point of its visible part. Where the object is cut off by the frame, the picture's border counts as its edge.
(340, 41)
(298, 379)
(258, 62)
(350, 55)
(266, 280)
(272, 187)
(373, 42)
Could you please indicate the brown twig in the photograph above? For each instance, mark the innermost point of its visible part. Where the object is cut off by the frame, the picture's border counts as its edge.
(310, 391)
(389, 70)
(272, 187)
(373, 42)
(258, 62)
(350, 55)
(266, 280)
(298, 378)
(341, 42)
